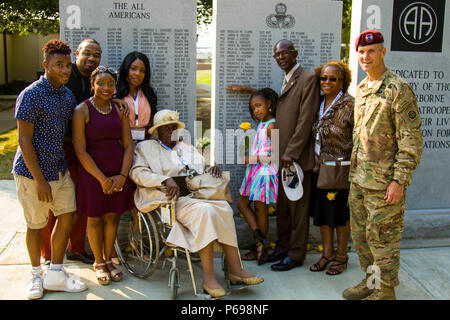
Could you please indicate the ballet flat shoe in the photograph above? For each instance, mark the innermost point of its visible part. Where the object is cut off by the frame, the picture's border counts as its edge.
(215, 293)
(249, 281)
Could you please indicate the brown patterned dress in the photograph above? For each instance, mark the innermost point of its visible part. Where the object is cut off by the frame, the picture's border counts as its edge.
(334, 132)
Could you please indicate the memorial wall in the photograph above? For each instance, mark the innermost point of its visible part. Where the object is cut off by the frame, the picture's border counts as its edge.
(418, 48)
(245, 34)
(163, 30)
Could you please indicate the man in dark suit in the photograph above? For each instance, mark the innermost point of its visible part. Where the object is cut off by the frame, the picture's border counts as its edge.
(297, 108)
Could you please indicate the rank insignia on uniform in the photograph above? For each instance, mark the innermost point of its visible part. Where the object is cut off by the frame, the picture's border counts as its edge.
(412, 115)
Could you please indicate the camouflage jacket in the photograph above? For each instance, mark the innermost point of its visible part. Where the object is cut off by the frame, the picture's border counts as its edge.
(387, 139)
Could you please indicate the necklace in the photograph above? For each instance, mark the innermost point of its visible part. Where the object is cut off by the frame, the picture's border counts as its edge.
(100, 110)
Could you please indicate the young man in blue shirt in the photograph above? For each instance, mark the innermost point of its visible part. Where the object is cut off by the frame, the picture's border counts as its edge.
(44, 112)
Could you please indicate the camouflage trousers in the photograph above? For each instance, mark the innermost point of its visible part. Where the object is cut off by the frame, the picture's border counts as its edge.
(376, 229)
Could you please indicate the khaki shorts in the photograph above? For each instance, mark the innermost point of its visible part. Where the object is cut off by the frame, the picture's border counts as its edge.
(35, 211)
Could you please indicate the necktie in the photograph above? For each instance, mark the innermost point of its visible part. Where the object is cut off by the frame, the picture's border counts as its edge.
(284, 83)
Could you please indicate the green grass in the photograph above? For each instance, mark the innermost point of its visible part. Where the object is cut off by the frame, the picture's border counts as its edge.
(8, 146)
(204, 76)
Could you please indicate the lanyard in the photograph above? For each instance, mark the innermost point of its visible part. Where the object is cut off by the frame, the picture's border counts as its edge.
(189, 171)
(322, 105)
(136, 108)
(321, 114)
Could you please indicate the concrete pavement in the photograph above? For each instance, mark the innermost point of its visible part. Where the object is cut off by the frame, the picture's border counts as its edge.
(424, 271)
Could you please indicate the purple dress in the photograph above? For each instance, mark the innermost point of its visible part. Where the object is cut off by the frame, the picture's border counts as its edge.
(103, 133)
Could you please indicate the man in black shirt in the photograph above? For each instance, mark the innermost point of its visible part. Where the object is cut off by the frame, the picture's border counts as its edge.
(88, 58)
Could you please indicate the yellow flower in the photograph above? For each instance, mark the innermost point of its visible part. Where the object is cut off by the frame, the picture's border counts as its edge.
(331, 195)
(272, 245)
(245, 126)
(271, 210)
(308, 247)
(320, 248)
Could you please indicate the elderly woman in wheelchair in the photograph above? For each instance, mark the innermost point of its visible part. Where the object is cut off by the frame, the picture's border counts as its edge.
(201, 225)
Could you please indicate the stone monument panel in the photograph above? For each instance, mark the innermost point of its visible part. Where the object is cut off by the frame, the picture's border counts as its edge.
(163, 30)
(245, 34)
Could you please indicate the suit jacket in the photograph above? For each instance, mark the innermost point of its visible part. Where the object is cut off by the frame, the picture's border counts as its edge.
(297, 107)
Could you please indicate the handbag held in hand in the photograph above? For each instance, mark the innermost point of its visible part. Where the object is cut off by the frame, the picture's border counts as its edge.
(206, 186)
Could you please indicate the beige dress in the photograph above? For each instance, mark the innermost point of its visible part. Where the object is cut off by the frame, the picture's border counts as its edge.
(198, 222)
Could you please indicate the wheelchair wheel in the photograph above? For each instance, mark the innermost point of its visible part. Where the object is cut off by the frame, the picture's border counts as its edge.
(139, 249)
(173, 283)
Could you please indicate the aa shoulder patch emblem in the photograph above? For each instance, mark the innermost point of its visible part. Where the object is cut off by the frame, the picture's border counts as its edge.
(412, 114)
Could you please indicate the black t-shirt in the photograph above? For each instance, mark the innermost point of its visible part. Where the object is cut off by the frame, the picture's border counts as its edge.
(79, 85)
(81, 88)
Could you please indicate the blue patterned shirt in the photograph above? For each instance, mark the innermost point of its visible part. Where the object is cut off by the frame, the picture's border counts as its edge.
(50, 110)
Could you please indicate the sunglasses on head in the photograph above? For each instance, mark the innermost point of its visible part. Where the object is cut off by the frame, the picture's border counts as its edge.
(332, 79)
(107, 69)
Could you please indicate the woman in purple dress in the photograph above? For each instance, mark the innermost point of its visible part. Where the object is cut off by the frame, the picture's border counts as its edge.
(103, 144)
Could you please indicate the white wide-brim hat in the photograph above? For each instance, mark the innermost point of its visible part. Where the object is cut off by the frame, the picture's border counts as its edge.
(293, 187)
(165, 117)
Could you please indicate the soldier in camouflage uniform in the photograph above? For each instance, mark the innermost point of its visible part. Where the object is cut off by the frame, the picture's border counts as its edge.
(387, 147)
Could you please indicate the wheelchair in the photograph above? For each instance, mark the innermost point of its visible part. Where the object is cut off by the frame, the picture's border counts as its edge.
(144, 247)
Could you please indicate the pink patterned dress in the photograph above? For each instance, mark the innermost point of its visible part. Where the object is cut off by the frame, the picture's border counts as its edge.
(260, 181)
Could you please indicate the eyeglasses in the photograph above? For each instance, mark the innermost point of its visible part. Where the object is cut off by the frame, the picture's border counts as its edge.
(282, 53)
(107, 69)
(332, 79)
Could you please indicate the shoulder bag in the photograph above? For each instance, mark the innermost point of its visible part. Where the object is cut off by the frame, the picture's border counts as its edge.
(333, 172)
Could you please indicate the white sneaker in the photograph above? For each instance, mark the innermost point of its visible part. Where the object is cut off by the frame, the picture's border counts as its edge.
(62, 281)
(34, 287)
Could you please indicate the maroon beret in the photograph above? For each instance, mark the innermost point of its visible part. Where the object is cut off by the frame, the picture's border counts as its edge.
(368, 37)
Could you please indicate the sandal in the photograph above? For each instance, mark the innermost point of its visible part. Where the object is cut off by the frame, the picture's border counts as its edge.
(116, 274)
(337, 266)
(116, 261)
(251, 255)
(261, 252)
(102, 275)
(316, 266)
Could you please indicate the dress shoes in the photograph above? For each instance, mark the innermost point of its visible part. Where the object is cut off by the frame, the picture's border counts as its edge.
(285, 265)
(83, 257)
(215, 293)
(248, 281)
(275, 256)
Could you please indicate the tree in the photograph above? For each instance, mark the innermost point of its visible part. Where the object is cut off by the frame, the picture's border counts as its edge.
(204, 11)
(346, 25)
(25, 16)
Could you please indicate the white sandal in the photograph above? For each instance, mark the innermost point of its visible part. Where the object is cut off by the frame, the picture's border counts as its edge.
(102, 275)
(116, 274)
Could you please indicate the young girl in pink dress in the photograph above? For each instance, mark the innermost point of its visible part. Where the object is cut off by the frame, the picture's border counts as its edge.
(260, 183)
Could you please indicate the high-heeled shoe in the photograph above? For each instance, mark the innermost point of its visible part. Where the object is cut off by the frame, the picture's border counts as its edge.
(249, 281)
(215, 293)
